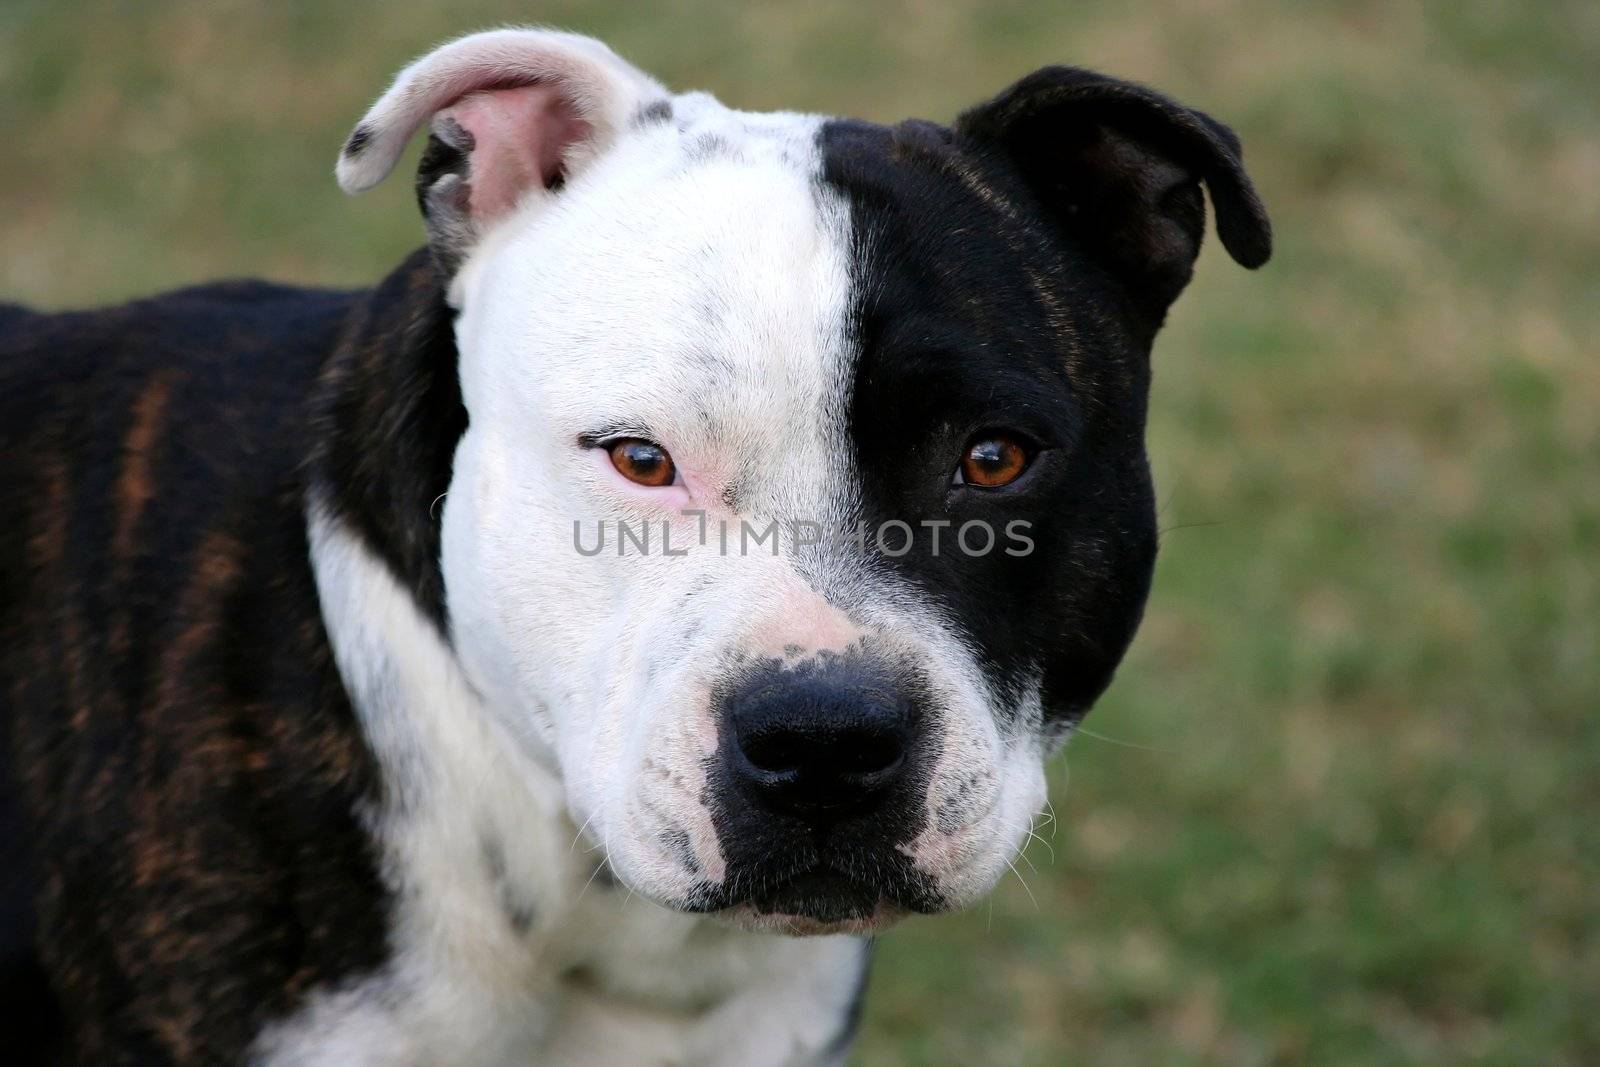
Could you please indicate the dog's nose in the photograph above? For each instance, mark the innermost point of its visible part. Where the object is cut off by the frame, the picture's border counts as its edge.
(819, 743)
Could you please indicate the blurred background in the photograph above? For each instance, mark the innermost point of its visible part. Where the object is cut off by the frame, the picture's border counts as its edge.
(1343, 803)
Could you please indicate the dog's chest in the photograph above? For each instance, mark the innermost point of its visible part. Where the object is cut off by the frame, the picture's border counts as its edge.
(615, 980)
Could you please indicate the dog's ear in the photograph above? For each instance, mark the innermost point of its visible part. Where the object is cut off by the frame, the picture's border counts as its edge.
(514, 114)
(1119, 167)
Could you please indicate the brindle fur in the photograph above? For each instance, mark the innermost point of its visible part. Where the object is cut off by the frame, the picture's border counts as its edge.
(183, 779)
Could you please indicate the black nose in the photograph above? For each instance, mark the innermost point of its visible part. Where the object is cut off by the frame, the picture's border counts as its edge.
(819, 741)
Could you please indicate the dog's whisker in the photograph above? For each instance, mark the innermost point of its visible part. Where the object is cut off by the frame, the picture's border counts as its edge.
(1028, 834)
(605, 862)
(579, 835)
(1024, 882)
(1117, 741)
(1032, 836)
(592, 876)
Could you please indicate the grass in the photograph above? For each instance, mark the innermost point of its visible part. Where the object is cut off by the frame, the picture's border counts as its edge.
(1343, 803)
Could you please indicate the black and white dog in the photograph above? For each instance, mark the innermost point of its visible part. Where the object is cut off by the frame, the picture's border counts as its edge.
(389, 677)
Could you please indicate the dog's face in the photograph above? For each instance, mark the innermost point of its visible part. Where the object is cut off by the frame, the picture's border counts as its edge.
(803, 507)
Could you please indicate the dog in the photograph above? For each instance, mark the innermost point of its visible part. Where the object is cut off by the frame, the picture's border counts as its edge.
(352, 715)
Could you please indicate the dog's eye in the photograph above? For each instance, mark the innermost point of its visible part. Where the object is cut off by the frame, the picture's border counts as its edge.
(993, 460)
(641, 461)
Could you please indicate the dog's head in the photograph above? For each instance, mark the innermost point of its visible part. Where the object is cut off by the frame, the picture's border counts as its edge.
(803, 506)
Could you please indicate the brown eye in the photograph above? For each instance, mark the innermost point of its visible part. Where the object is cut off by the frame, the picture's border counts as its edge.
(642, 461)
(992, 461)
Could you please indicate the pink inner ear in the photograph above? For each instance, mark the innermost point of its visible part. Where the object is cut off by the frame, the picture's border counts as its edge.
(520, 137)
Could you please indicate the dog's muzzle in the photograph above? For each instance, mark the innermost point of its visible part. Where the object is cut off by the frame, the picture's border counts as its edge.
(818, 779)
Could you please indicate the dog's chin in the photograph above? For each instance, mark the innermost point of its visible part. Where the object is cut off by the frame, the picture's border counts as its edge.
(750, 917)
(813, 904)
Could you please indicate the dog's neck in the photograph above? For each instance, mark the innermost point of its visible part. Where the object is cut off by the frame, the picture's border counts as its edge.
(387, 417)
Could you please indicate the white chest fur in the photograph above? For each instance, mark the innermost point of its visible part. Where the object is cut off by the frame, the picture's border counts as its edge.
(506, 947)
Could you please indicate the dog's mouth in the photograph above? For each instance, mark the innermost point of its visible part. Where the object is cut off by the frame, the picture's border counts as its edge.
(819, 900)
(821, 895)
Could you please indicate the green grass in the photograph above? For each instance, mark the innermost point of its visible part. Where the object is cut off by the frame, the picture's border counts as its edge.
(1343, 802)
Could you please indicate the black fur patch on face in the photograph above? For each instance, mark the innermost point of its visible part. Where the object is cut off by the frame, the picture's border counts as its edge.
(974, 314)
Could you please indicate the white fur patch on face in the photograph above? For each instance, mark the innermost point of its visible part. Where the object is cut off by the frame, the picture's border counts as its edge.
(691, 288)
